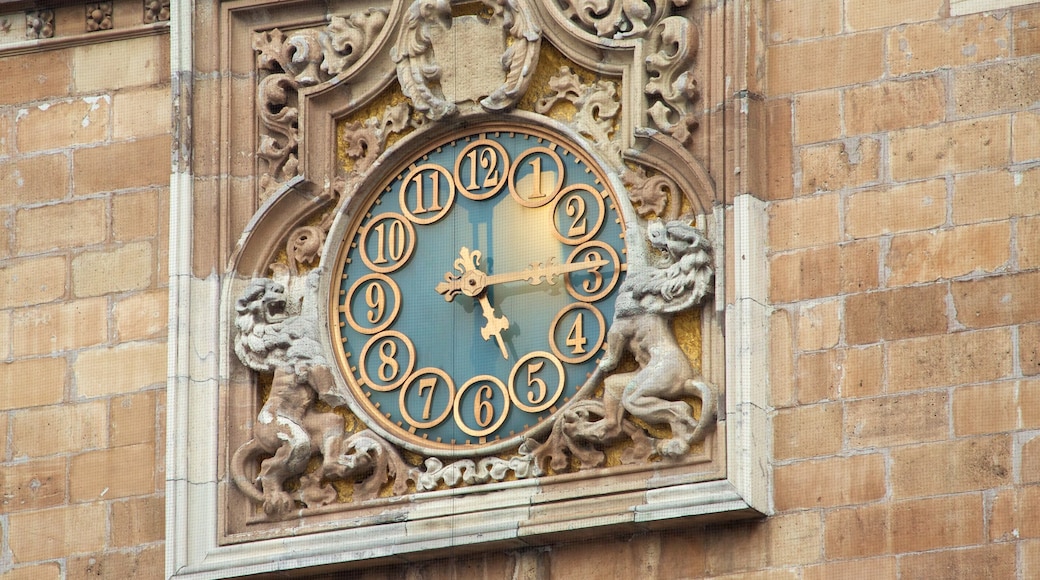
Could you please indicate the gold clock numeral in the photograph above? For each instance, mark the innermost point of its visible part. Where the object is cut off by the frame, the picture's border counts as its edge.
(489, 393)
(382, 303)
(531, 184)
(386, 361)
(578, 215)
(429, 386)
(427, 193)
(387, 242)
(595, 283)
(571, 328)
(528, 389)
(479, 169)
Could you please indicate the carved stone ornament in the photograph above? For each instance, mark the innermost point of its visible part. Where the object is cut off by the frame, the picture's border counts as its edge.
(615, 18)
(99, 16)
(671, 88)
(39, 24)
(156, 11)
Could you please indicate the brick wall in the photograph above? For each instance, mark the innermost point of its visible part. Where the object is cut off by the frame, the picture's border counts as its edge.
(904, 248)
(84, 173)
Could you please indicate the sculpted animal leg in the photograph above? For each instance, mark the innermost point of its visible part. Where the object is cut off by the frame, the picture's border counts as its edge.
(273, 473)
(613, 387)
(656, 411)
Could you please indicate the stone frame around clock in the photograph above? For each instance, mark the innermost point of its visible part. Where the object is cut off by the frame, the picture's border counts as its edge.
(222, 235)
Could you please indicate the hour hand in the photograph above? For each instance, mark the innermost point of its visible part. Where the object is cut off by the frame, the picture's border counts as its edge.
(495, 324)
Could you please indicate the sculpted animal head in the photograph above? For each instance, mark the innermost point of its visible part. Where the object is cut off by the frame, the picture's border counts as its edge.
(684, 278)
(261, 311)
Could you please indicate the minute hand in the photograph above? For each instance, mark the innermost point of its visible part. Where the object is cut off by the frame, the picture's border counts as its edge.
(538, 272)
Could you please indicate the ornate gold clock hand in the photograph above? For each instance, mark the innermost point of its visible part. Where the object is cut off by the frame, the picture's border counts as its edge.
(472, 282)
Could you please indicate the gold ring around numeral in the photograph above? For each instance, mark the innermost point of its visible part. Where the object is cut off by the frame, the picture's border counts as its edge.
(385, 318)
(579, 227)
(439, 210)
(480, 405)
(388, 242)
(607, 286)
(402, 400)
(547, 399)
(584, 350)
(495, 178)
(540, 197)
(401, 374)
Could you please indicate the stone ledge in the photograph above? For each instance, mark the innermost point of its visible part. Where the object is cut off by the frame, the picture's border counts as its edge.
(28, 26)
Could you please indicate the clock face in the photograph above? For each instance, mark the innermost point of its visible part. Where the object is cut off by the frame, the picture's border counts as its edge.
(472, 290)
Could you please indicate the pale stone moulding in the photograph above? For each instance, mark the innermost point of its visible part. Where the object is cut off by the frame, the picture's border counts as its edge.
(627, 86)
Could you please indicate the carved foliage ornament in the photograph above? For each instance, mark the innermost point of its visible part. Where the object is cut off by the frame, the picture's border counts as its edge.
(616, 18)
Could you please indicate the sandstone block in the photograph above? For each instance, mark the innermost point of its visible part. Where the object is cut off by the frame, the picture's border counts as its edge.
(781, 367)
(48, 571)
(143, 163)
(984, 409)
(1025, 126)
(56, 532)
(804, 222)
(803, 19)
(997, 301)
(135, 215)
(819, 326)
(35, 179)
(859, 266)
(795, 539)
(33, 76)
(132, 63)
(864, 372)
(858, 532)
(141, 316)
(819, 376)
(895, 314)
(1029, 349)
(132, 419)
(992, 561)
(933, 523)
(1029, 471)
(125, 368)
(895, 105)
(64, 225)
(955, 147)
(112, 473)
(32, 485)
(946, 467)
(864, 14)
(805, 274)
(58, 327)
(1025, 29)
(898, 420)
(31, 382)
(806, 432)
(915, 206)
(931, 45)
(62, 124)
(938, 254)
(996, 87)
(57, 429)
(996, 195)
(680, 555)
(32, 281)
(122, 269)
(825, 63)
(147, 563)
(830, 482)
(141, 113)
(869, 568)
(948, 360)
(834, 166)
(1028, 243)
(138, 521)
(817, 117)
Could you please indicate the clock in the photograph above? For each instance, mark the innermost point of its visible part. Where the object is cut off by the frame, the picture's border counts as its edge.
(471, 289)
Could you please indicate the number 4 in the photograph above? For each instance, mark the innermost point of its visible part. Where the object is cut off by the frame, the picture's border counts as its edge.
(576, 336)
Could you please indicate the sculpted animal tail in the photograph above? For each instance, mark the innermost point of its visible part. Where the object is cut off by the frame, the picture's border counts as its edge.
(242, 456)
(708, 405)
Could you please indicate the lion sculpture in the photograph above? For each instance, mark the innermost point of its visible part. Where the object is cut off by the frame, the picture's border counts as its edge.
(657, 391)
(288, 428)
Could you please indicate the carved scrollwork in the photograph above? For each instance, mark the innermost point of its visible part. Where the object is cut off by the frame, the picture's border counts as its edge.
(300, 59)
(469, 472)
(366, 140)
(520, 57)
(597, 109)
(653, 195)
(672, 47)
(417, 69)
(616, 18)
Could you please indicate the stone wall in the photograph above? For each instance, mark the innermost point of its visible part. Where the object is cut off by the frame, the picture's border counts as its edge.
(84, 174)
(902, 173)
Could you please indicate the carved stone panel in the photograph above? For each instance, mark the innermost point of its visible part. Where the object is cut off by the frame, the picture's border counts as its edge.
(478, 294)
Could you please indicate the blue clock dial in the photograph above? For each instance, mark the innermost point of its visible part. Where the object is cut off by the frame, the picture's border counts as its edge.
(474, 288)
